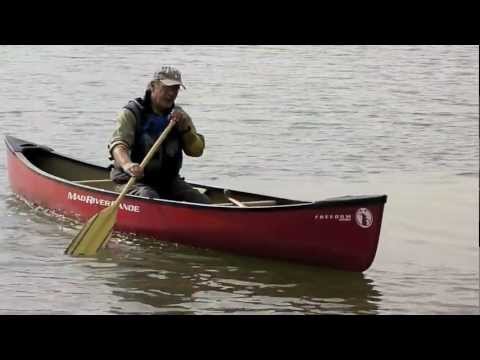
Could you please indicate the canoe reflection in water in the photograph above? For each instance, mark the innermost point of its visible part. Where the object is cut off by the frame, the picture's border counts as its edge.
(164, 278)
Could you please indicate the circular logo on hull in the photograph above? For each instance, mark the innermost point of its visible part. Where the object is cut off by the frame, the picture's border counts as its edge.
(364, 218)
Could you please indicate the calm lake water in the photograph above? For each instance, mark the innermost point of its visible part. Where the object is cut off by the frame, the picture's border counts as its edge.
(305, 122)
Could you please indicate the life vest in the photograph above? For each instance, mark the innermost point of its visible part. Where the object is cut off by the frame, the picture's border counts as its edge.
(167, 162)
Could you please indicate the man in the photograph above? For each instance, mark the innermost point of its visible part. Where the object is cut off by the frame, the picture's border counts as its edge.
(139, 124)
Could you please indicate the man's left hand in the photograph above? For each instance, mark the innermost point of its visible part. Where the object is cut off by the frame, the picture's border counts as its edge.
(181, 120)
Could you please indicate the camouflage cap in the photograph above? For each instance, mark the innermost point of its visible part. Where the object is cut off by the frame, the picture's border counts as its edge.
(169, 76)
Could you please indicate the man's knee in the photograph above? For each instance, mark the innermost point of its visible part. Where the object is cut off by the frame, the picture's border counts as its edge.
(144, 191)
(186, 192)
(196, 196)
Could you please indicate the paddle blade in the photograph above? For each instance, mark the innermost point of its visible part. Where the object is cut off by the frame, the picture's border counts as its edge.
(94, 234)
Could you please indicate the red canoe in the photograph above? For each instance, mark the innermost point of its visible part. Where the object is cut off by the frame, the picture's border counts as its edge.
(340, 232)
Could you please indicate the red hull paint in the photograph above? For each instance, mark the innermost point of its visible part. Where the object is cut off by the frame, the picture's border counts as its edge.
(306, 234)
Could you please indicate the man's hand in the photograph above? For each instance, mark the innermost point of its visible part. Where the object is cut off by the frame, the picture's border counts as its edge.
(121, 156)
(181, 120)
(133, 169)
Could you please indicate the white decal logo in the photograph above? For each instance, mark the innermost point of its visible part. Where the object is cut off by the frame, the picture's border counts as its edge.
(338, 217)
(364, 217)
(88, 199)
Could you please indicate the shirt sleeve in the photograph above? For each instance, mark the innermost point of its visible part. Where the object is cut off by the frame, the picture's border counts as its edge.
(124, 132)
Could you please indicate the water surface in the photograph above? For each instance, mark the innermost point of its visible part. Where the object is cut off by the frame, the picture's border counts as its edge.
(304, 122)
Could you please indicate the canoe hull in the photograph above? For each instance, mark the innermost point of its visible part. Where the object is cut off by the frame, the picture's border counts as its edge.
(338, 234)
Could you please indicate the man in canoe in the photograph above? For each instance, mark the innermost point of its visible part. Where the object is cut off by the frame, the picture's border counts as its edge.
(139, 124)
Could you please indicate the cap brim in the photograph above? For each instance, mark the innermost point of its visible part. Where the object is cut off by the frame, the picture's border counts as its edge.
(169, 82)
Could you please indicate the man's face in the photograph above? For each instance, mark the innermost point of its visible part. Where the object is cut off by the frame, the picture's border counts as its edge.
(164, 96)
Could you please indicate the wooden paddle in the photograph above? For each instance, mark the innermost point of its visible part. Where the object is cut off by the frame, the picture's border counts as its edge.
(96, 232)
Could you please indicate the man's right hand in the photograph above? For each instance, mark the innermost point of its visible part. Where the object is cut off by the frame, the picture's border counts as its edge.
(121, 156)
(133, 169)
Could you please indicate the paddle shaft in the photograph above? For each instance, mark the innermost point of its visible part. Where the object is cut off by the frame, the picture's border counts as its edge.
(145, 161)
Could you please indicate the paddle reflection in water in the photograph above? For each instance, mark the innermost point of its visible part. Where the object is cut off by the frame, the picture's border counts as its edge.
(175, 279)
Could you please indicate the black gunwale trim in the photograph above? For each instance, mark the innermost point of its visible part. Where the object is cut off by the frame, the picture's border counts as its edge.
(16, 145)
